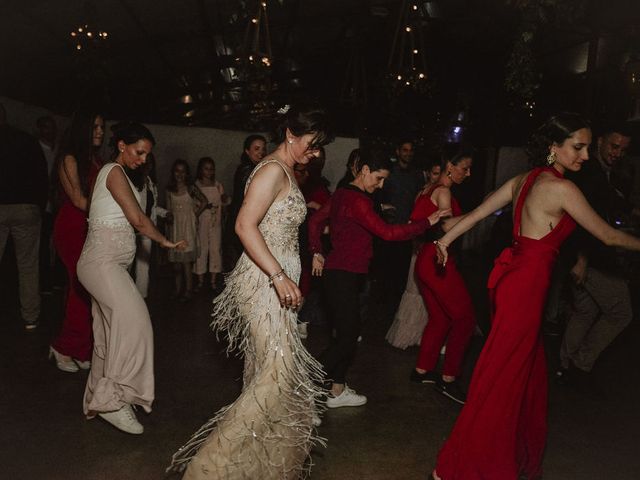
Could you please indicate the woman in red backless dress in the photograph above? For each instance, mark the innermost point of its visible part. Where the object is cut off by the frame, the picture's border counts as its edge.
(451, 315)
(77, 167)
(501, 431)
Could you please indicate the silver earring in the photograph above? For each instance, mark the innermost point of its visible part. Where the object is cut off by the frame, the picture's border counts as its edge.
(290, 141)
(551, 158)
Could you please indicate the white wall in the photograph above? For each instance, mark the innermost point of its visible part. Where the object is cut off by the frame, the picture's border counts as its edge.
(188, 143)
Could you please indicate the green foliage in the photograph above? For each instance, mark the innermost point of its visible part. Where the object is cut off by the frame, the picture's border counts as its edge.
(522, 76)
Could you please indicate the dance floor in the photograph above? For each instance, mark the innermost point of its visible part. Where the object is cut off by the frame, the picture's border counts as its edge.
(395, 436)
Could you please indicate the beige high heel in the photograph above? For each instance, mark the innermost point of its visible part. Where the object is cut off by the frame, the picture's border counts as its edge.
(83, 365)
(62, 364)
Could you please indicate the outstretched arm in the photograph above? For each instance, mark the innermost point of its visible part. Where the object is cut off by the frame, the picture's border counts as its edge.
(119, 187)
(574, 203)
(497, 200)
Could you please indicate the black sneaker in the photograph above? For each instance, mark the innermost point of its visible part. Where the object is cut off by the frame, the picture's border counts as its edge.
(451, 390)
(427, 377)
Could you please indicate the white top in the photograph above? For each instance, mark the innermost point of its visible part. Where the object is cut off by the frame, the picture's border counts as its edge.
(104, 208)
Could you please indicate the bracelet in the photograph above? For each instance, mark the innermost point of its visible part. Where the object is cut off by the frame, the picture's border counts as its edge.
(277, 276)
(440, 244)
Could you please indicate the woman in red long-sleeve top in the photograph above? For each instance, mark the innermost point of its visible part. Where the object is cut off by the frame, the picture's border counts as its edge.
(352, 225)
(451, 314)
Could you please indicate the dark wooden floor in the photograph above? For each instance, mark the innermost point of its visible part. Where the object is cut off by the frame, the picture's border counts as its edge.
(395, 436)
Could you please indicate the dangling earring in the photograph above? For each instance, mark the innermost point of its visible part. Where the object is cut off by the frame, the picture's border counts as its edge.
(551, 158)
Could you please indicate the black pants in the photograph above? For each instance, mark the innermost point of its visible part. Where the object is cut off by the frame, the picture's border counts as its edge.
(342, 291)
(393, 259)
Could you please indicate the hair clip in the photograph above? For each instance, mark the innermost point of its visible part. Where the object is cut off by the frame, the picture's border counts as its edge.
(284, 109)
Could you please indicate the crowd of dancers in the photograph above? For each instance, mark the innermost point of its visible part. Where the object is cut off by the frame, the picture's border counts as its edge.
(268, 432)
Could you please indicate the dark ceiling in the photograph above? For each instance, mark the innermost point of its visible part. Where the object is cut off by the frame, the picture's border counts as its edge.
(159, 51)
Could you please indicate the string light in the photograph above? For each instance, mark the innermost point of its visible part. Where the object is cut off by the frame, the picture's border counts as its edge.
(84, 37)
(530, 105)
(407, 65)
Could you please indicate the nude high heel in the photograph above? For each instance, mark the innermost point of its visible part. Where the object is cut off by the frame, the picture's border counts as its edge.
(62, 364)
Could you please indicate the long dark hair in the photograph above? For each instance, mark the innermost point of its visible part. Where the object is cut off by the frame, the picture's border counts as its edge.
(555, 130)
(304, 118)
(77, 141)
(172, 186)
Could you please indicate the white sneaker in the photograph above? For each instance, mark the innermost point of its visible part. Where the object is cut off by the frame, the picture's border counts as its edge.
(123, 419)
(348, 398)
(303, 330)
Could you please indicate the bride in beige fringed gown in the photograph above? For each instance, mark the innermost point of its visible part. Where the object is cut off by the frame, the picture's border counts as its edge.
(268, 432)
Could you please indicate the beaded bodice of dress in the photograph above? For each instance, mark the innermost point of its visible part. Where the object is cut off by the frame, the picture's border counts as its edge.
(279, 227)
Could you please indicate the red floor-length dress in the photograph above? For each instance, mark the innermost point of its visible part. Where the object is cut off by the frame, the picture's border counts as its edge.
(501, 431)
(69, 233)
(445, 295)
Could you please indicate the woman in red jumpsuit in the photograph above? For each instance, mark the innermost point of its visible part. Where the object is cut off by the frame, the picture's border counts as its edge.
(501, 431)
(451, 314)
(77, 166)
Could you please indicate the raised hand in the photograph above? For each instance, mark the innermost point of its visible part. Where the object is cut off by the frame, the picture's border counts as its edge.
(438, 214)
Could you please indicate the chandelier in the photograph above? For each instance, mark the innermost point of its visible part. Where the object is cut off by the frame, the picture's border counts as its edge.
(407, 67)
(255, 63)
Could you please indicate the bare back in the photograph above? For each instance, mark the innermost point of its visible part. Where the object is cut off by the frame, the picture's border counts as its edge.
(542, 209)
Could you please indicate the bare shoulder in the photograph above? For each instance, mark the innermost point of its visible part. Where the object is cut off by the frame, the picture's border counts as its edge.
(269, 171)
(116, 175)
(442, 191)
(271, 176)
(557, 185)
